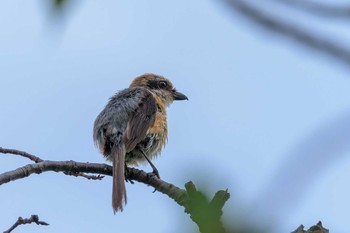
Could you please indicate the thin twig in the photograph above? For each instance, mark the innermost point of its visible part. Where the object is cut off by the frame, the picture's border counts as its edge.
(81, 174)
(37, 160)
(21, 153)
(291, 31)
(22, 221)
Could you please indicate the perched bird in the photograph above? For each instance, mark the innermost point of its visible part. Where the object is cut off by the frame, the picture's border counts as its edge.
(132, 128)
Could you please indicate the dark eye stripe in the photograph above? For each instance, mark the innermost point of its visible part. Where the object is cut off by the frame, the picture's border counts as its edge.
(152, 84)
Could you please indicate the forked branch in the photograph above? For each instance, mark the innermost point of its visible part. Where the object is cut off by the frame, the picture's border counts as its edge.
(206, 214)
(22, 221)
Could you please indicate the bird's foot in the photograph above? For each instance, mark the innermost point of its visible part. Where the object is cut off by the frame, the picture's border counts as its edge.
(155, 172)
(126, 174)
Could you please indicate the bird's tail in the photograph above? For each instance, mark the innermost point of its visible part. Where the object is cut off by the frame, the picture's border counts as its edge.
(118, 190)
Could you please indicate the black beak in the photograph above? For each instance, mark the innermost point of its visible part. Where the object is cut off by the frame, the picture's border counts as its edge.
(179, 96)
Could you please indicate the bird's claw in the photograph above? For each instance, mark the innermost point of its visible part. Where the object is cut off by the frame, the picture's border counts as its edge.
(126, 175)
(156, 173)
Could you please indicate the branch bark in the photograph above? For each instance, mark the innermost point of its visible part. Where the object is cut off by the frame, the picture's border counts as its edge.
(20, 153)
(95, 168)
(206, 214)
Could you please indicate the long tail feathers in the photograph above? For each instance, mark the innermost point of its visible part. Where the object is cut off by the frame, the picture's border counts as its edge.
(118, 190)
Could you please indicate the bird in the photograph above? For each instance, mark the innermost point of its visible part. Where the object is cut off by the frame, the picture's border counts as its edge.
(132, 128)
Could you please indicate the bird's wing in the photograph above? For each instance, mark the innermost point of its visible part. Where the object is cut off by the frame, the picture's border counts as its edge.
(140, 121)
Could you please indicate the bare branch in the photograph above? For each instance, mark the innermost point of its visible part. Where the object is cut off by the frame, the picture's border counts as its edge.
(79, 169)
(321, 9)
(22, 221)
(21, 153)
(192, 205)
(191, 199)
(37, 160)
(69, 167)
(294, 32)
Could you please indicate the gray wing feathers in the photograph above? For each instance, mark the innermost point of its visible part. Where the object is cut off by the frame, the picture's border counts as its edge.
(129, 113)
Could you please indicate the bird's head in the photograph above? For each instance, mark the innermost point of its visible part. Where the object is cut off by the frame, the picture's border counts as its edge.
(160, 86)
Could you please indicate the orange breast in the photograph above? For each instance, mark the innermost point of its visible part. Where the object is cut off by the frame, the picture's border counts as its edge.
(160, 127)
(155, 139)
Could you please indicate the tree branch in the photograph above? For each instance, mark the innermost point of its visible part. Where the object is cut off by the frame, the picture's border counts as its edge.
(22, 221)
(76, 167)
(192, 200)
(175, 193)
(37, 160)
(291, 31)
(21, 153)
(321, 9)
(204, 212)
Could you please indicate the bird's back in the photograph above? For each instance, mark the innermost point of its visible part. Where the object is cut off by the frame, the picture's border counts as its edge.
(112, 122)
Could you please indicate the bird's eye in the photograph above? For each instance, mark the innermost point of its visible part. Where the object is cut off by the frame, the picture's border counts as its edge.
(163, 84)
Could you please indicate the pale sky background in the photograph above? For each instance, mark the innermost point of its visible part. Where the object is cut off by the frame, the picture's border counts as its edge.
(266, 118)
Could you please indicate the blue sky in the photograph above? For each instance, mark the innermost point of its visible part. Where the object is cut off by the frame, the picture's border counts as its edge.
(266, 118)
